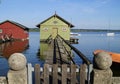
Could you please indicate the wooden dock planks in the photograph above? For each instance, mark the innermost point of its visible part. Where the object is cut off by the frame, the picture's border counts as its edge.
(61, 54)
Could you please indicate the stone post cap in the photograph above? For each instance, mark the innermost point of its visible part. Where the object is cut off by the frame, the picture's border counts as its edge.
(17, 61)
(103, 60)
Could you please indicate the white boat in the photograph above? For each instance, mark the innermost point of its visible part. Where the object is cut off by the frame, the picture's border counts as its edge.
(111, 34)
(74, 34)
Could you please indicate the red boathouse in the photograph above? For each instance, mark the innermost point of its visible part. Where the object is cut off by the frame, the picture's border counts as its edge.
(10, 29)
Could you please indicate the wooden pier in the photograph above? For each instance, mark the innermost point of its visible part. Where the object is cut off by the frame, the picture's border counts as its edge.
(59, 68)
(59, 51)
(74, 40)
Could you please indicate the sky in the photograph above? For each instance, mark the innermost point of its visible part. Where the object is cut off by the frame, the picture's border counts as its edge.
(84, 14)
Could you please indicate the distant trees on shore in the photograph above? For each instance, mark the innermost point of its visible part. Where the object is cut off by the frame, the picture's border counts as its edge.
(79, 30)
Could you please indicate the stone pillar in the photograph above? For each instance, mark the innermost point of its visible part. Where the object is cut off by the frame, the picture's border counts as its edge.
(3, 80)
(102, 73)
(18, 71)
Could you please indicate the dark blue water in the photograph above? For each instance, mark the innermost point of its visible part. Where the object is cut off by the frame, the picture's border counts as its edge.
(88, 42)
(33, 50)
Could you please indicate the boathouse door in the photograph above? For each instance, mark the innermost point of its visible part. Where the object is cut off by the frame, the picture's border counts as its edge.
(54, 32)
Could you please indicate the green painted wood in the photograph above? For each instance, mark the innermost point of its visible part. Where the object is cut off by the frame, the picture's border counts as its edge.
(47, 28)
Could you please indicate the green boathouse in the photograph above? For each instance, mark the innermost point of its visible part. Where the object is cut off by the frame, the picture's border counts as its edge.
(54, 25)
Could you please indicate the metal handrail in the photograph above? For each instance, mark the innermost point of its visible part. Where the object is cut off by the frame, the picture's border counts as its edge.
(81, 55)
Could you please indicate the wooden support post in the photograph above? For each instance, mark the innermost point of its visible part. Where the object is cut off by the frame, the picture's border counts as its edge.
(29, 70)
(64, 74)
(37, 74)
(73, 74)
(55, 74)
(46, 74)
(83, 73)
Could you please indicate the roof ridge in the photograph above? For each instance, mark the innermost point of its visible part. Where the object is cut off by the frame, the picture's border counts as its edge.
(56, 15)
(16, 23)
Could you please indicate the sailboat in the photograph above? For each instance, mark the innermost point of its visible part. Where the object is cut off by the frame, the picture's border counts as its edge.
(110, 33)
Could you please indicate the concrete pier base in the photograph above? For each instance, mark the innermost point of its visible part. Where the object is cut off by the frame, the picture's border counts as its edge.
(18, 71)
(102, 76)
(3, 80)
(17, 77)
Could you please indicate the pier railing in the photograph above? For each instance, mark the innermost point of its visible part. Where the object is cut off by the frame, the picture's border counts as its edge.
(57, 74)
(62, 73)
(80, 54)
(86, 61)
(48, 39)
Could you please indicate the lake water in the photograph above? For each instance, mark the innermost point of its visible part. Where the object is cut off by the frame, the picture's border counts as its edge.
(88, 42)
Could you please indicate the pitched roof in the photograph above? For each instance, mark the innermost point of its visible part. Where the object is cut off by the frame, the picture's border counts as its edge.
(55, 15)
(17, 24)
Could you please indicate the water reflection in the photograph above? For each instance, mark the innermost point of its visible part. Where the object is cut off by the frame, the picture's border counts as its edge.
(42, 51)
(6, 49)
(46, 51)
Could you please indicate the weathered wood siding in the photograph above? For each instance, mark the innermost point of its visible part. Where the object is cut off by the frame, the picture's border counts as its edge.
(57, 74)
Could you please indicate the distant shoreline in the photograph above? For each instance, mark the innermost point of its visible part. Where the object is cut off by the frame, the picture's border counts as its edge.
(93, 30)
(78, 30)
(34, 29)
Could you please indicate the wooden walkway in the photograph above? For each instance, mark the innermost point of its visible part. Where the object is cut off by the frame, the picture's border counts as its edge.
(61, 54)
(59, 51)
(59, 67)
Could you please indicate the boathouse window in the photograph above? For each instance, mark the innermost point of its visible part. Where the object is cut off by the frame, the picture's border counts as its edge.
(45, 29)
(0, 30)
(55, 22)
(64, 29)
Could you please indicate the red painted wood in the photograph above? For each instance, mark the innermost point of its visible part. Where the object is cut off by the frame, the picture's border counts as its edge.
(11, 29)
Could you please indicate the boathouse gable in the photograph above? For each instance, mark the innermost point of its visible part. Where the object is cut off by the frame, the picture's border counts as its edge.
(13, 30)
(53, 26)
(54, 21)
